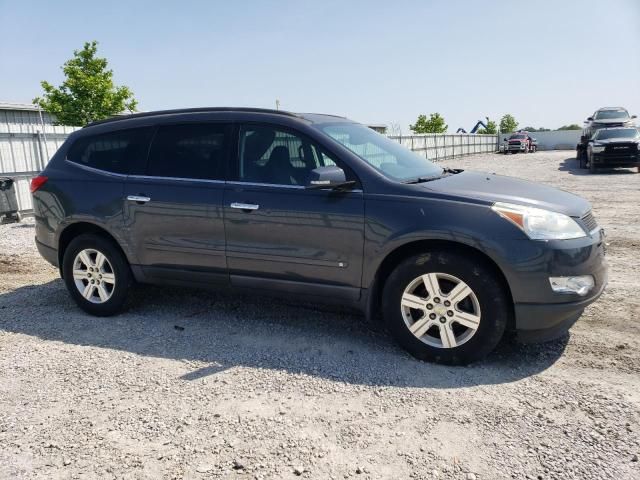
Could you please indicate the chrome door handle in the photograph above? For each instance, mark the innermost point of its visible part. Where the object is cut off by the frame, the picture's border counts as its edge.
(245, 206)
(138, 198)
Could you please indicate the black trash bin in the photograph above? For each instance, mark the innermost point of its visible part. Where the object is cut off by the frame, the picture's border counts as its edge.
(8, 201)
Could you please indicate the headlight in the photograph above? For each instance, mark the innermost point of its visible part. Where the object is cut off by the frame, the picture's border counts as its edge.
(597, 148)
(540, 224)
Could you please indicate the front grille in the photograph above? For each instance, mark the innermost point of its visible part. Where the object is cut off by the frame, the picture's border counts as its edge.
(516, 142)
(621, 148)
(609, 125)
(589, 222)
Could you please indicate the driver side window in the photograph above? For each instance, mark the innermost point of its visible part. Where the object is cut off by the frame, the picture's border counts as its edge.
(278, 157)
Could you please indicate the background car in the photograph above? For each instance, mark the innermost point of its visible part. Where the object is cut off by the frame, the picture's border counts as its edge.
(613, 147)
(519, 142)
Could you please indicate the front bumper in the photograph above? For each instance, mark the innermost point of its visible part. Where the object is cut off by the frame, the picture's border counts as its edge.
(516, 148)
(540, 313)
(544, 322)
(608, 160)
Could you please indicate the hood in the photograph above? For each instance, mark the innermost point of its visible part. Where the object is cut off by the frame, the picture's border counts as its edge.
(610, 121)
(607, 141)
(491, 188)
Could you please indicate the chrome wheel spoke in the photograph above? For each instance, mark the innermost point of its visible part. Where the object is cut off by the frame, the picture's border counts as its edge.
(459, 293)
(431, 284)
(420, 327)
(468, 320)
(85, 259)
(447, 336)
(109, 278)
(88, 291)
(79, 274)
(102, 293)
(413, 301)
(100, 258)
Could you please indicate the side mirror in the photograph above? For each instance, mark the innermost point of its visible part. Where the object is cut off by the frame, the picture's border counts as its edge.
(590, 119)
(331, 177)
(634, 116)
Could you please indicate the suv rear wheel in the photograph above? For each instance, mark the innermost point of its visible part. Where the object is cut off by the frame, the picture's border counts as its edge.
(445, 307)
(96, 274)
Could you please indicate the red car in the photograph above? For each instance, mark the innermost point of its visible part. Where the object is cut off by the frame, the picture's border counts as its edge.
(519, 142)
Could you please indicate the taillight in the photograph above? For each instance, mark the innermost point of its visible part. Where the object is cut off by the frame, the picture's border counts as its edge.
(37, 182)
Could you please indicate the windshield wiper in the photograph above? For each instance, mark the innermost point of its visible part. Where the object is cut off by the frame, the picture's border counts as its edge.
(425, 179)
(445, 173)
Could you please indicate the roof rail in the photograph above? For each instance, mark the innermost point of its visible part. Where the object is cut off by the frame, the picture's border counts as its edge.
(191, 110)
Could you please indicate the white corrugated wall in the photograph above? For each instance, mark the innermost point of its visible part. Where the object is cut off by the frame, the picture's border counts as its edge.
(28, 139)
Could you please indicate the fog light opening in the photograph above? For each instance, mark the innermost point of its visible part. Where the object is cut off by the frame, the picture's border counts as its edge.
(580, 285)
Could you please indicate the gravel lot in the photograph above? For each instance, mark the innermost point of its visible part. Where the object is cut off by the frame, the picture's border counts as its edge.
(202, 385)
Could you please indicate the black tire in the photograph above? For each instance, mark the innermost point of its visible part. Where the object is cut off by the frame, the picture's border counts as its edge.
(119, 265)
(492, 298)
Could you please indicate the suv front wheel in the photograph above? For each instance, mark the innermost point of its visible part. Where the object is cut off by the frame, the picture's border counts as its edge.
(96, 274)
(445, 307)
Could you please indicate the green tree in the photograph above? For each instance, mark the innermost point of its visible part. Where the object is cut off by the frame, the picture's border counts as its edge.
(534, 129)
(508, 124)
(435, 124)
(87, 92)
(573, 126)
(492, 128)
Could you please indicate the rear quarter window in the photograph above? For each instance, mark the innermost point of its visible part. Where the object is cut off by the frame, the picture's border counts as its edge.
(123, 151)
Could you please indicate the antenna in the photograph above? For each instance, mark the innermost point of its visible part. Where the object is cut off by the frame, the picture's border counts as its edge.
(277, 104)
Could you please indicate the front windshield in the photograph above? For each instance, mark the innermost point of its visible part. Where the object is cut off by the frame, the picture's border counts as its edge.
(611, 114)
(617, 133)
(519, 136)
(384, 154)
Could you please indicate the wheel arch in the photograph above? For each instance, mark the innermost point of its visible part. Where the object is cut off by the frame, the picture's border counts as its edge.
(75, 229)
(416, 247)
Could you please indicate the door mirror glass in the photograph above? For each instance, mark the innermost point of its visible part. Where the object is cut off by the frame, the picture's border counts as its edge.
(590, 119)
(329, 177)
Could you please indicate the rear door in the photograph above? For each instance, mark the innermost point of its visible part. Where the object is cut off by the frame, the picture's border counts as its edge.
(173, 212)
(281, 235)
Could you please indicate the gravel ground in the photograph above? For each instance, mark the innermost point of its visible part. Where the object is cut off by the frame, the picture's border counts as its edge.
(197, 385)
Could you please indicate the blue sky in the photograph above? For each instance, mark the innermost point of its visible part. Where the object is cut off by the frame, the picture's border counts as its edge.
(547, 62)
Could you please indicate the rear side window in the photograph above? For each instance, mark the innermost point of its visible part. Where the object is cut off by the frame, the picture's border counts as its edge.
(123, 151)
(194, 150)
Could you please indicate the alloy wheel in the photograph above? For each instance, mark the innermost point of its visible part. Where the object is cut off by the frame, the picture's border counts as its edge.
(94, 276)
(440, 310)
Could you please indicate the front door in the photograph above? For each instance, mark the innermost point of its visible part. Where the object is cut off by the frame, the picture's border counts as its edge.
(281, 235)
(173, 213)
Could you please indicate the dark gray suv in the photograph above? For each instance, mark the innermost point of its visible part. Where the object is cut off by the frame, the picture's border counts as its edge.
(320, 208)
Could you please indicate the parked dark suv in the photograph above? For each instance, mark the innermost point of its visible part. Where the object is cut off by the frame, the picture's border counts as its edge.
(321, 208)
(613, 147)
